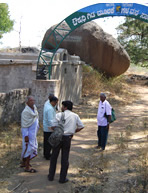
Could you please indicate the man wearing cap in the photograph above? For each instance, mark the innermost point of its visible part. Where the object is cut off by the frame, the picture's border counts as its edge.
(103, 119)
(49, 114)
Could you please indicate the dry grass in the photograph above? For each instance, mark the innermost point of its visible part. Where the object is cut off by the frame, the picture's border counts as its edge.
(11, 147)
(116, 88)
(122, 168)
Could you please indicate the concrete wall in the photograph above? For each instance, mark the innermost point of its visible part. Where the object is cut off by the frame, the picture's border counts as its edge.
(11, 105)
(67, 87)
(70, 76)
(65, 83)
(15, 75)
(41, 89)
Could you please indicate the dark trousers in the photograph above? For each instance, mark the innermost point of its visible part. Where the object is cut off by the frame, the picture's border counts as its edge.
(65, 149)
(47, 146)
(102, 134)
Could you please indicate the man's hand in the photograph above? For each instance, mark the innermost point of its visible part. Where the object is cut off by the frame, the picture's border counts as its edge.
(107, 126)
(77, 130)
(26, 139)
(51, 128)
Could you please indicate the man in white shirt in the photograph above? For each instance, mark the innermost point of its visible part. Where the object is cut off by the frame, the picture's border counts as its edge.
(49, 114)
(72, 125)
(103, 119)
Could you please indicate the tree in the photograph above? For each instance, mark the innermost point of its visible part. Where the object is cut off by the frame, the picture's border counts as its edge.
(133, 36)
(6, 24)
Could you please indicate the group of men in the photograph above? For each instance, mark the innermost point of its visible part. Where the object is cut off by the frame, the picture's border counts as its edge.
(51, 119)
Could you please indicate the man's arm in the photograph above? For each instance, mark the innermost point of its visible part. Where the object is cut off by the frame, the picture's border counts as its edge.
(55, 121)
(26, 139)
(50, 117)
(80, 125)
(108, 111)
(79, 129)
(25, 130)
(108, 118)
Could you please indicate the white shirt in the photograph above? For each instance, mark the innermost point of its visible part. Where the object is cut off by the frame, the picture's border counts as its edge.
(72, 122)
(103, 107)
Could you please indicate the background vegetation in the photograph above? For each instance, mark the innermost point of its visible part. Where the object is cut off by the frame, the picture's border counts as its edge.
(6, 24)
(133, 36)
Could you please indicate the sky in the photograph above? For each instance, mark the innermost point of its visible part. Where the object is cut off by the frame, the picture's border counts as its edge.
(35, 17)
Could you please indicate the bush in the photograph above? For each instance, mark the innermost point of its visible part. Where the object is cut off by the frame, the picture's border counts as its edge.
(95, 82)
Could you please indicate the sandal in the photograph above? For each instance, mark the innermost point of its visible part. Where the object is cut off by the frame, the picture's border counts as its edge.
(22, 165)
(31, 170)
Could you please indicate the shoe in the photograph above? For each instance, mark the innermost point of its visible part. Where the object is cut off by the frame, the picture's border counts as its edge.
(103, 149)
(47, 158)
(97, 147)
(62, 182)
(50, 179)
(31, 170)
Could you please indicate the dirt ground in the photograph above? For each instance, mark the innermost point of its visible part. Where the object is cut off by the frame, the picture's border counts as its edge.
(121, 168)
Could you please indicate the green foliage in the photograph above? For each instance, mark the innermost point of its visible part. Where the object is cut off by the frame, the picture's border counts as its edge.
(6, 25)
(134, 38)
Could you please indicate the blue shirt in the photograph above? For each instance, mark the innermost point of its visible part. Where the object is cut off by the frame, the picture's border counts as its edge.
(49, 114)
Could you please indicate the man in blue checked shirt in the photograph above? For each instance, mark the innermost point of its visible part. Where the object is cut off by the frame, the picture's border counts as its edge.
(49, 114)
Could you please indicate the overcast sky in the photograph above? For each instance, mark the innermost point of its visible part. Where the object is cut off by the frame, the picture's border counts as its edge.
(37, 16)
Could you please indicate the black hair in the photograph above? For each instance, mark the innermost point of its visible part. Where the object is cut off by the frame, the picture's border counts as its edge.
(53, 99)
(68, 104)
(50, 96)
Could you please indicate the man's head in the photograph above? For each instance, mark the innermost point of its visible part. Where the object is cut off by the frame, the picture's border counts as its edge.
(67, 105)
(50, 96)
(102, 97)
(53, 101)
(30, 101)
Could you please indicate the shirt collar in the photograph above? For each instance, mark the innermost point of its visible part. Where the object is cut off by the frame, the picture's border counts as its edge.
(102, 102)
(67, 111)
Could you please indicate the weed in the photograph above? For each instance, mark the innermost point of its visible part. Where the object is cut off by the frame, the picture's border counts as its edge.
(8, 140)
(145, 123)
(143, 169)
(128, 130)
(120, 141)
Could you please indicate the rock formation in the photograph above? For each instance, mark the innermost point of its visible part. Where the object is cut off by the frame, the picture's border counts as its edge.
(95, 47)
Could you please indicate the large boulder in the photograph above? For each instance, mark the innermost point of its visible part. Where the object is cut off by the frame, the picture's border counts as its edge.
(95, 47)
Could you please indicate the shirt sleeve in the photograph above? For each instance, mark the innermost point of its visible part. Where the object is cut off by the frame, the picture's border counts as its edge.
(79, 123)
(98, 111)
(50, 117)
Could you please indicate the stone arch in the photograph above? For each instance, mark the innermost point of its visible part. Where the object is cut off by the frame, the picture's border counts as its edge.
(82, 16)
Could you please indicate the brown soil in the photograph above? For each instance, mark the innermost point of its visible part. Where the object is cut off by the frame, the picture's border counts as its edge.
(122, 167)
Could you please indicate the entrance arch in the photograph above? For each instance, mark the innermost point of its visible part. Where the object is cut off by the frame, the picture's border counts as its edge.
(80, 17)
